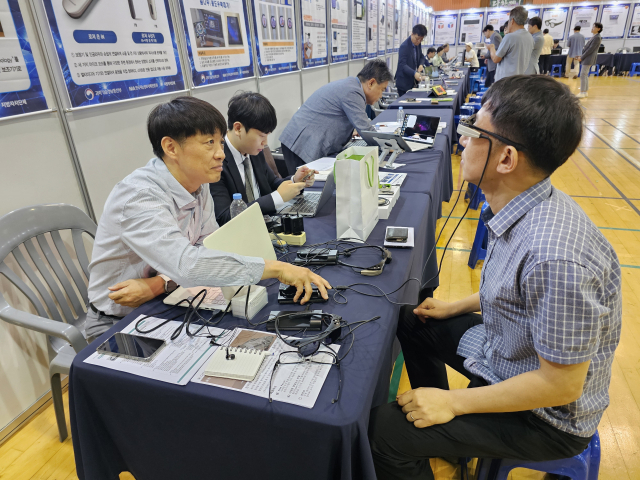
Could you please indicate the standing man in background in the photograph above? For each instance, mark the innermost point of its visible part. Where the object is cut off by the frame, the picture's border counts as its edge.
(325, 122)
(538, 43)
(493, 38)
(588, 58)
(545, 55)
(411, 61)
(575, 44)
(515, 50)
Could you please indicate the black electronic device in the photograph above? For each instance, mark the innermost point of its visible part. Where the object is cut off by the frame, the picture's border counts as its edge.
(316, 256)
(397, 234)
(601, 49)
(288, 320)
(287, 292)
(133, 347)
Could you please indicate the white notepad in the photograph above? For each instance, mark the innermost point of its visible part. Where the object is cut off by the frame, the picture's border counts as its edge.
(244, 366)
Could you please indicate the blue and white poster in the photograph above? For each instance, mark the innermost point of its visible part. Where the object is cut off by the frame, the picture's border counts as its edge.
(555, 20)
(113, 51)
(382, 28)
(372, 29)
(614, 19)
(358, 29)
(314, 33)
(218, 40)
(275, 30)
(20, 89)
(445, 29)
(584, 17)
(339, 31)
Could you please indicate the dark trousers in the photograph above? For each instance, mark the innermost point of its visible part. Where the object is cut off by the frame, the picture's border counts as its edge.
(402, 451)
(401, 93)
(544, 63)
(291, 160)
(490, 79)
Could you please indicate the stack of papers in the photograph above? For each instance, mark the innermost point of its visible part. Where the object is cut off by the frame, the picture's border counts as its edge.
(387, 127)
(323, 165)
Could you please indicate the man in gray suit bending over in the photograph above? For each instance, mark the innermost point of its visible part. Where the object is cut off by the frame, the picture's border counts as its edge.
(325, 122)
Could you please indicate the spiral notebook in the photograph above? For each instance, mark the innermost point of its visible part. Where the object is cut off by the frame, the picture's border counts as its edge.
(244, 366)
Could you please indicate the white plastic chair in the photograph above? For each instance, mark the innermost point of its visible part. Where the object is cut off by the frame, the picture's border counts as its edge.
(63, 327)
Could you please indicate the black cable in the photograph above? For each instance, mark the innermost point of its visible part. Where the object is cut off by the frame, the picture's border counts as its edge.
(341, 288)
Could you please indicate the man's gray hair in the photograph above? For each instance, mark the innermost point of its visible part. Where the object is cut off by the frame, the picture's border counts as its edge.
(376, 69)
(519, 15)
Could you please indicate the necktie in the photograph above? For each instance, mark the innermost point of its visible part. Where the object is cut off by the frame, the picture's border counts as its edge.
(248, 179)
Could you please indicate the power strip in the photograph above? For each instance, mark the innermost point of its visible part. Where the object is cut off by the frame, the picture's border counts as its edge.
(291, 239)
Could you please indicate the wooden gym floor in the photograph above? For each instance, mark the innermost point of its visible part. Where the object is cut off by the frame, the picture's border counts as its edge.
(603, 177)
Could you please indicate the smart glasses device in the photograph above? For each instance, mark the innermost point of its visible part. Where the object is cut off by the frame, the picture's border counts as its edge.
(467, 128)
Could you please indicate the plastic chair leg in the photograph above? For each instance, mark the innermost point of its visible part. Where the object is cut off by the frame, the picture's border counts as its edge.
(58, 406)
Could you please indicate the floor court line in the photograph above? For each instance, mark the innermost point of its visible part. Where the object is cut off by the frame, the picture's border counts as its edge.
(614, 149)
(621, 131)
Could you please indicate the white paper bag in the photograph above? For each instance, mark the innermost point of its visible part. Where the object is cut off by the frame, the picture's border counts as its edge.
(356, 176)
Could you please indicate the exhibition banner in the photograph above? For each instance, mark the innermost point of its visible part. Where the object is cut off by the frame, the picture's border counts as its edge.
(634, 28)
(382, 35)
(113, 51)
(20, 89)
(614, 20)
(497, 19)
(471, 27)
(275, 31)
(397, 20)
(405, 29)
(358, 30)
(372, 28)
(339, 31)
(314, 33)
(389, 25)
(584, 17)
(533, 12)
(218, 40)
(445, 29)
(555, 20)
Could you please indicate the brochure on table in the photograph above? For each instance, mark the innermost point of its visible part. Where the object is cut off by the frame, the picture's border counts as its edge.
(555, 20)
(445, 29)
(20, 89)
(389, 25)
(497, 18)
(382, 27)
(634, 28)
(314, 33)
(614, 20)
(397, 21)
(114, 51)
(585, 17)
(372, 28)
(359, 29)
(275, 31)
(218, 40)
(471, 27)
(339, 31)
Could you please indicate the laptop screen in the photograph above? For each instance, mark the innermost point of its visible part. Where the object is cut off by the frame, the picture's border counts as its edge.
(420, 126)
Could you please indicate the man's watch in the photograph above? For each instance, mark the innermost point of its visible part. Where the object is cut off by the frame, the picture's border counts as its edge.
(169, 285)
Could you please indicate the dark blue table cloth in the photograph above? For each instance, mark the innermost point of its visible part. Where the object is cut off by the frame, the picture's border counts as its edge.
(159, 431)
(623, 61)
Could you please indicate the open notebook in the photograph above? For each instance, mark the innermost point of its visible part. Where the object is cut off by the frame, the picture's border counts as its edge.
(244, 366)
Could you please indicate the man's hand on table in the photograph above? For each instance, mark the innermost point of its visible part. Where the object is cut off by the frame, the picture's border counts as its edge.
(299, 277)
(427, 406)
(135, 292)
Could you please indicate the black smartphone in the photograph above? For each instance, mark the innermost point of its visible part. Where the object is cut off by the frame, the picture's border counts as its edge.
(131, 346)
(397, 234)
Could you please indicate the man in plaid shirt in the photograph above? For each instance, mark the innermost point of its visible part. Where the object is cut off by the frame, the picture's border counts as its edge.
(540, 354)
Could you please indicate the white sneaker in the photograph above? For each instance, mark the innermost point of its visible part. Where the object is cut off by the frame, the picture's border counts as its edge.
(582, 95)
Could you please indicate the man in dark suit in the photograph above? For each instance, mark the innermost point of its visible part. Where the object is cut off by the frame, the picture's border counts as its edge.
(411, 61)
(250, 119)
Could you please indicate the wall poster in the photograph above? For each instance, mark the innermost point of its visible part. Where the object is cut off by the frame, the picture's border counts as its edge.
(397, 23)
(634, 28)
(372, 28)
(111, 51)
(389, 25)
(471, 25)
(614, 20)
(20, 89)
(218, 40)
(358, 29)
(585, 17)
(555, 20)
(497, 19)
(339, 31)
(275, 31)
(445, 30)
(382, 27)
(314, 33)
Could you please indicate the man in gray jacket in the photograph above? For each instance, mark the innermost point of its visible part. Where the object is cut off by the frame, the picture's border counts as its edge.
(325, 122)
(575, 44)
(493, 38)
(588, 58)
(538, 42)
